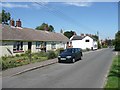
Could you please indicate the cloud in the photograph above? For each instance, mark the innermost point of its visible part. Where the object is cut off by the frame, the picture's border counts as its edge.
(79, 4)
(11, 5)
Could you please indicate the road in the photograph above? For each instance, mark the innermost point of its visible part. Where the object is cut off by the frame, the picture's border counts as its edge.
(90, 72)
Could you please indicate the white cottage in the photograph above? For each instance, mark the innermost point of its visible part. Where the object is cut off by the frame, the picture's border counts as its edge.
(84, 42)
(17, 40)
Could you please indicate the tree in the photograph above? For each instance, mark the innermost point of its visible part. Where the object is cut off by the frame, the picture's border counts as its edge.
(5, 17)
(51, 28)
(95, 36)
(0, 17)
(117, 41)
(45, 27)
(69, 34)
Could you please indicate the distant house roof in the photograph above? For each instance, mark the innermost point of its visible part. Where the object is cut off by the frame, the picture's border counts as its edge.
(76, 37)
(27, 34)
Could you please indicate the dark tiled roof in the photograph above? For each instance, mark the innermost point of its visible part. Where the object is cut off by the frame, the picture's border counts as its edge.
(77, 37)
(27, 34)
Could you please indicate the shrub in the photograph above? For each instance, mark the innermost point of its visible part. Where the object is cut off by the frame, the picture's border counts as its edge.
(87, 49)
(17, 55)
(4, 65)
(22, 54)
(51, 55)
(117, 47)
(105, 46)
(28, 52)
(35, 57)
(4, 57)
(42, 54)
(59, 50)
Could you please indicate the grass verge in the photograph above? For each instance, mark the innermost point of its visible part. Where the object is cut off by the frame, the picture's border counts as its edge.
(113, 79)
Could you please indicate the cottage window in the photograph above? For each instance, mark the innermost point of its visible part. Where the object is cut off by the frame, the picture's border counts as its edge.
(53, 45)
(38, 45)
(87, 40)
(18, 46)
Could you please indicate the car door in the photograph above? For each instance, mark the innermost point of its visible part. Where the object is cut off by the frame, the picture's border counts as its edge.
(76, 53)
(79, 53)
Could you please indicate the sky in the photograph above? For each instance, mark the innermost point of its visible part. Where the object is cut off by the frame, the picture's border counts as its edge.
(81, 17)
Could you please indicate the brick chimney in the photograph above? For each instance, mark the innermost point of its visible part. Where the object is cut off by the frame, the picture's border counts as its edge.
(18, 23)
(12, 22)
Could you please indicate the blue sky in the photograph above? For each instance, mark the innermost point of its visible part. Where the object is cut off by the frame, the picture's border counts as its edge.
(88, 17)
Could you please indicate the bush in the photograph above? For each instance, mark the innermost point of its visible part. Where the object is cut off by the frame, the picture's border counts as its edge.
(4, 57)
(17, 55)
(22, 54)
(42, 54)
(105, 46)
(87, 49)
(117, 48)
(4, 64)
(51, 55)
(35, 57)
(60, 50)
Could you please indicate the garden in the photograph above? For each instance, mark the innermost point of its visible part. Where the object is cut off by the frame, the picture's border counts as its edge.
(27, 58)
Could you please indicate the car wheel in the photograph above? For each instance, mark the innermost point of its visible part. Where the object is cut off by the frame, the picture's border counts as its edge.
(59, 61)
(73, 60)
(80, 58)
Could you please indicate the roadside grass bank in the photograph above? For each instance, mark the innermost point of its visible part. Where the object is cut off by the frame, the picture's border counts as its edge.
(113, 78)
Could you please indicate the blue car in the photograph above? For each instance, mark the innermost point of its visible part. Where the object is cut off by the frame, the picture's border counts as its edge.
(70, 55)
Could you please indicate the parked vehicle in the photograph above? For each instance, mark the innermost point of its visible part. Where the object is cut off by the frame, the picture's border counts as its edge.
(70, 55)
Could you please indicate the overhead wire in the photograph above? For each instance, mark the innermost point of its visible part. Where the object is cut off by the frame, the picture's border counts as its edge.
(65, 17)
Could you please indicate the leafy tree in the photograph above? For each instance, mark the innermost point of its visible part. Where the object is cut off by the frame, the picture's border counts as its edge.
(5, 17)
(45, 27)
(0, 17)
(95, 36)
(51, 28)
(69, 34)
(117, 41)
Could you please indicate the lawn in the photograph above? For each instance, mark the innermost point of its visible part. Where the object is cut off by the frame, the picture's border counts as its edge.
(113, 79)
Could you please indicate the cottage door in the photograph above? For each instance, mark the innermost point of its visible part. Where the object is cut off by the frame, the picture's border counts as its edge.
(29, 45)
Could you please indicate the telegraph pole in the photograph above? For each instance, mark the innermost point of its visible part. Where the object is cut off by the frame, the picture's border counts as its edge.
(98, 40)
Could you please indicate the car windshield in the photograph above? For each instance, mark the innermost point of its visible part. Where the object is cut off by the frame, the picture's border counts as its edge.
(68, 50)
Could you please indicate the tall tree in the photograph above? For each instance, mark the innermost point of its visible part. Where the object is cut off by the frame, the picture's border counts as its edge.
(51, 28)
(95, 37)
(45, 27)
(117, 41)
(69, 34)
(5, 17)
(0, 17)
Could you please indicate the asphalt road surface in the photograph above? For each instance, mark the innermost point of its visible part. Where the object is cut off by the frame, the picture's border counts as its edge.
(90, 72)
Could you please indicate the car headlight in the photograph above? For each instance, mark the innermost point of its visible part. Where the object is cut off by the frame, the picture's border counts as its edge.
(59, 56)
(68, 57)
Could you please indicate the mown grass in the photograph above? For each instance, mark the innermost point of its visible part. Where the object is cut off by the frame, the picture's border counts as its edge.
(113, 79)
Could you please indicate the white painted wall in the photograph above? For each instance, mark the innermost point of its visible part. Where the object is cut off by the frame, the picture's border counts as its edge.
(95, 45)
(87, 44)
(83, 44)
(6, 47)
(58, 45)
(34, 49)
